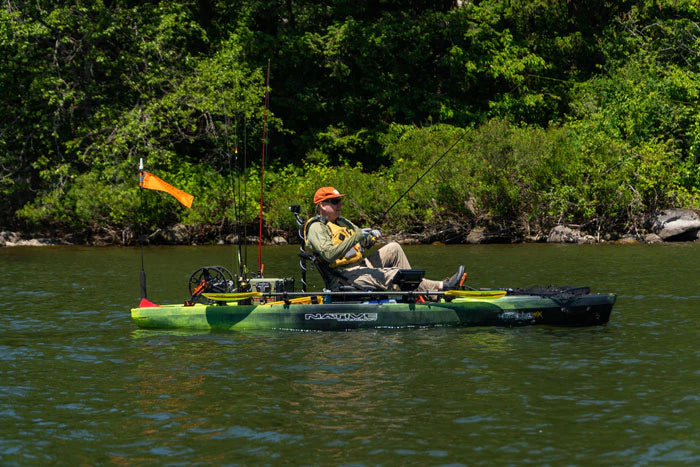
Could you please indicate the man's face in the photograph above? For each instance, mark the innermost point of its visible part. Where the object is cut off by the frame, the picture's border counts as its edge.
(330, 208)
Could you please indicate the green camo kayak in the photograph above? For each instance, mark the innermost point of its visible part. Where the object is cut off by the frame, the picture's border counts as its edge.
(315, 313)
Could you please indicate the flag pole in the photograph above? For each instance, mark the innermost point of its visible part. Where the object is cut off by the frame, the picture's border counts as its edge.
(142, 275)
(151, 182)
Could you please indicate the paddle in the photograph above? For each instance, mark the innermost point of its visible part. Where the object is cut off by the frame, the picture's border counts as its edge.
(238, 296)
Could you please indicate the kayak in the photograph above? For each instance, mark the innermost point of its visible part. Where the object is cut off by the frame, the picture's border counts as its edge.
(328, 311)
(219, 301)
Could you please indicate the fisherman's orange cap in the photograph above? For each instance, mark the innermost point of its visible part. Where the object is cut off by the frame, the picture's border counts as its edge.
(326, 192)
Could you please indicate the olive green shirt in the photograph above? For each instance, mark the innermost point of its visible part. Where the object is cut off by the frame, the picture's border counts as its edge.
(319, 240)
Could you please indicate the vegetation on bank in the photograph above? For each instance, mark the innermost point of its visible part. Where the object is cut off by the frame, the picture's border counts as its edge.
(582, 113)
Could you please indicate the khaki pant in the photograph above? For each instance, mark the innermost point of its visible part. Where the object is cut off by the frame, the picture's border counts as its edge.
(378, 271)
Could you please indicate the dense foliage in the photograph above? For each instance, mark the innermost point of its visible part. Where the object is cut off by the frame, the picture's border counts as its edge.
(582, 112)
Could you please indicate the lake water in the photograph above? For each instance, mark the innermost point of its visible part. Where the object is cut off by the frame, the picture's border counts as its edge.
(81, 384)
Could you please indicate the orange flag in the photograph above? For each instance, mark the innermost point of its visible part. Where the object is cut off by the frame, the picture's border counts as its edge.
(149, 181)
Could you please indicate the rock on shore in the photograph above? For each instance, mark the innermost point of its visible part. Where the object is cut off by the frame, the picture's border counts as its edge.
(677, 225)
(15, 239)
(564, 234)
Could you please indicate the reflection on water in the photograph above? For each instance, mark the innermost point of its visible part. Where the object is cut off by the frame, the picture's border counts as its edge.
(80, 383)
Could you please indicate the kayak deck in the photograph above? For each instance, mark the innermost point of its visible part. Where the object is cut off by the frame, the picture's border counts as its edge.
(510, 310)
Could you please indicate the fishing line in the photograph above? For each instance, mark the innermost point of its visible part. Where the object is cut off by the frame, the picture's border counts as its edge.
(423, 175)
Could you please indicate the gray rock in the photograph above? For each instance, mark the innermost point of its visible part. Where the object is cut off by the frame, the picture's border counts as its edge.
(405, 239)
(677, 225)
(178, 234)
(101, 239)
(564, 234)
(535, 238)
(452, 234)
(279, 241)
(8, 238)
(476, 236)
(234, 239)
(36, 242)
(588, 240)
(480, 235)
(652, 238)
(628, 240)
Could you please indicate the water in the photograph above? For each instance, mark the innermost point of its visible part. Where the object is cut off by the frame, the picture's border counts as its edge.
(79, 383)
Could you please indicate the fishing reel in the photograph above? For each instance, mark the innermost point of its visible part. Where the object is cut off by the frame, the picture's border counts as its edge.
(209, 279)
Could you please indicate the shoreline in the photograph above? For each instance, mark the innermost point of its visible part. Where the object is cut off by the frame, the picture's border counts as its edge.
(671, 226)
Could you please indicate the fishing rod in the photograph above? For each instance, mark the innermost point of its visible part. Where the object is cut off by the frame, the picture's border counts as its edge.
(381, 219)
(237, 206)
(244, 199)
(261, 266)
(235, 193)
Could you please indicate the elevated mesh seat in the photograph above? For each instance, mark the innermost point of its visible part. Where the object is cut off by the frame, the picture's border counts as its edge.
(328, 274)
(405, 279)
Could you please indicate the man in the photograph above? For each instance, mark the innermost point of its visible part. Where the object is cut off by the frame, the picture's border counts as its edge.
(340, 244)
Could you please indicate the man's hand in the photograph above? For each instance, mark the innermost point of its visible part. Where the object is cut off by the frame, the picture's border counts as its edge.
(370, 236)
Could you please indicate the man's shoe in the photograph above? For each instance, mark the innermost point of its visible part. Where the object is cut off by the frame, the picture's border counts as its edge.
(453, 282)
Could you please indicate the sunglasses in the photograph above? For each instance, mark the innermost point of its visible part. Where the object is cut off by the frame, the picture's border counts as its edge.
(334, 201)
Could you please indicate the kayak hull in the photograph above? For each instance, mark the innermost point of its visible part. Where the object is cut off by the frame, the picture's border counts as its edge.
(511, 310)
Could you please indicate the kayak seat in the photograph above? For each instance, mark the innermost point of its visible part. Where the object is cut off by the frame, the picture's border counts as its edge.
(323, 269)
(328, 275)
(405, 279)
